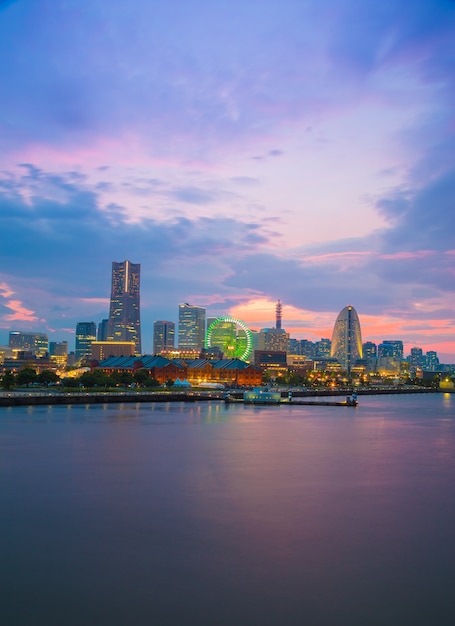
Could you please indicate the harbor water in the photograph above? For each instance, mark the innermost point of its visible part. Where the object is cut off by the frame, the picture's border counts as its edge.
(216, 514)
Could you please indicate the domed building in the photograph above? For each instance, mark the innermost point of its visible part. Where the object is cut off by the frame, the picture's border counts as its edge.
(347, 338)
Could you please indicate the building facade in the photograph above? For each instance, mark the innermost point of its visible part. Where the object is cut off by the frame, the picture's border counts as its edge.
(273, 339)
(124, 313)
(191, 327)
(85, 336)
(101, 350)
(163, 336)
(391, 348)
(347, 338)
(102, 330)
(58, 352)
(36, 343)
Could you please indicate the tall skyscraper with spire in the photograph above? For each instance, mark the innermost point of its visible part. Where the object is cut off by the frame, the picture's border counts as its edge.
(124, 313)
(347, 338)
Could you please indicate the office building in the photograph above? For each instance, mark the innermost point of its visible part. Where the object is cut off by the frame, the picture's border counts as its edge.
(58, 352)
(308, 348)
(163, 336)
(431, 361)
(36, 343)
(105, 349)
(416, 358)
(347, 338)
(102, 330)
(273, 340)
(370, 351)
(85, 336)
(124, 314)
(391, 348)
(323, 348)
(191, 327)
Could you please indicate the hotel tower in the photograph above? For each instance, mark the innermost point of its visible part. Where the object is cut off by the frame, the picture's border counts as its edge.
(347, 338)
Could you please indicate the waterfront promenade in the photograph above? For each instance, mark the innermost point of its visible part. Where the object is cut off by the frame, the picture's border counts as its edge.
(32, 397)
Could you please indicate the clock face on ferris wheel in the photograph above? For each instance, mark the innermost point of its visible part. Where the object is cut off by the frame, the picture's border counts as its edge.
(231, 336)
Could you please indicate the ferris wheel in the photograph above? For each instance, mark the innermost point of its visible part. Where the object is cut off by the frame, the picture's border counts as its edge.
(232, 336)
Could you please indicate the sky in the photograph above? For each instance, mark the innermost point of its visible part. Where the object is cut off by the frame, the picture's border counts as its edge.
(241, 151)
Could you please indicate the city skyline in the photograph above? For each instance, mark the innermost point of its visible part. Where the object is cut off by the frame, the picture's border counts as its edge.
(243, 155)
(346, 344)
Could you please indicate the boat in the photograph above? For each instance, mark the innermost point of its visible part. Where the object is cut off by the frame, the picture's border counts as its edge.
(258, 395)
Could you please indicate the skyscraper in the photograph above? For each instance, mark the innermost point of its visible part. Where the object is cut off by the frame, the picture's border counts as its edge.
(347, 338)
(124, 313)
(85, 335)
(163, 336)
(191, 327)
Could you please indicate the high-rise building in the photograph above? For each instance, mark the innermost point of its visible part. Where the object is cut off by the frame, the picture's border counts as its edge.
(273, 339)
(124, 313)
(308, 348)
(323, 348)
(102, 330)
(163, 336)
(416, 358)
(431, 360)
(391, 348)
(370, 350)
(191, 327)
(347, 338)
(85, 336)
(37, 343)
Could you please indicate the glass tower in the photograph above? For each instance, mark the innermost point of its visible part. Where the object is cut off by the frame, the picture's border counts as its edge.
(347, 338)
(124, 313)
(163, 336)
(85, 334)
(191, 327)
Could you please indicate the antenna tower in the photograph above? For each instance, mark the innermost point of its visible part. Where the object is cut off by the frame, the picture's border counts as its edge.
(279, 310)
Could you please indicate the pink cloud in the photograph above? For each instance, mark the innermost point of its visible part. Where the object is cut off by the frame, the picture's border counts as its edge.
(5, 290)
(20, 313)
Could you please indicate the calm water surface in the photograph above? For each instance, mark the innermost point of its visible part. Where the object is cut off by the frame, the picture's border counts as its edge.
(181, 514)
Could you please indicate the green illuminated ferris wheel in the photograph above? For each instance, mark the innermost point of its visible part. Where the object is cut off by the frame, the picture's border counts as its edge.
(231, 336)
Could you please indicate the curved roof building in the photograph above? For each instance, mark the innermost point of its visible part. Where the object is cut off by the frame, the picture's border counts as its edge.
(347, 338)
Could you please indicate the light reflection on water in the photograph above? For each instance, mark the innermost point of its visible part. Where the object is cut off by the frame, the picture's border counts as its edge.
(208, 513)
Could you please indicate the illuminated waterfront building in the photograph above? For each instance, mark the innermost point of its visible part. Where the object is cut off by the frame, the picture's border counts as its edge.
(347, 338)
(105, 349)
(85, 335)
(163, 336)
(124, 313)
(191, 327)
(58, 352)
(36, 343)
